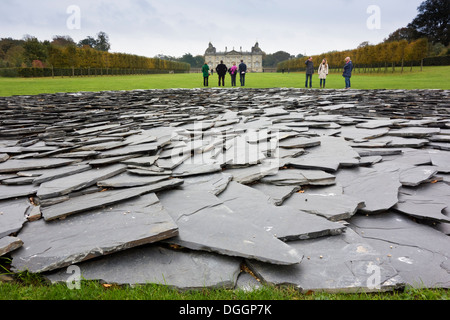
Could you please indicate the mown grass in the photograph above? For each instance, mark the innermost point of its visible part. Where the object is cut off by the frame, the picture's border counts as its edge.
(429, 78)
(33, 287)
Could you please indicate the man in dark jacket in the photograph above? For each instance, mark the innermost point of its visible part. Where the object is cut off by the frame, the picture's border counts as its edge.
(348, 68)
(309, 71)
(242, 72)
(221, 72)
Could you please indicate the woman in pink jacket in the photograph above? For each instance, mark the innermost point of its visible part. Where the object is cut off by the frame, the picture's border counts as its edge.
(233, 72)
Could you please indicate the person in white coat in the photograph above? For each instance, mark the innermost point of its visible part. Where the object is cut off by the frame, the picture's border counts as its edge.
(323, 72)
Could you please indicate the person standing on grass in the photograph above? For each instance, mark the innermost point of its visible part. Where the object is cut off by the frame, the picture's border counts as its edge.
(221, 70)
(242, 72)
(309, 72)
(323, 72)
(233, 71)
(205, 70)
(348, 68)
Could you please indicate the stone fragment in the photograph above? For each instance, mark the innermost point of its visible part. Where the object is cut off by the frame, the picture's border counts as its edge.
(100, 199)
(12, 216)
(13, 165)
(205, 223)
(180, 269)
(285, 222)
(378, 190)
(8, 244)
(53, 245)
(62, 186)
(332, 207)
(343, 263)
(418, 252)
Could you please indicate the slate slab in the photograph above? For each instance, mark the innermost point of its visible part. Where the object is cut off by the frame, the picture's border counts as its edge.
(99, 199)
(419, 253)
(285, 222)
(62, 186)
(180, 269)
(378, 190)
(53, 245)
(205, 223)
(12, 215)
(8, 244)
(17, 191)
(13, 165)
(333, 207)
(342, 263)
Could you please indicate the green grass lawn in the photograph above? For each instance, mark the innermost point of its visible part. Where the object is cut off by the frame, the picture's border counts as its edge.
(429, 78)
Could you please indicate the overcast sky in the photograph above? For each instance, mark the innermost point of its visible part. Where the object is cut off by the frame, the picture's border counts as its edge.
(176, 27)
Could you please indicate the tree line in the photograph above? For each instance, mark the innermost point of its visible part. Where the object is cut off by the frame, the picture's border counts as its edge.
(89, 56)
(369, 57)
(426, 37)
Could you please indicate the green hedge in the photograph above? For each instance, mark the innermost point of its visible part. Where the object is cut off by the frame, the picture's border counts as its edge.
(69, 72)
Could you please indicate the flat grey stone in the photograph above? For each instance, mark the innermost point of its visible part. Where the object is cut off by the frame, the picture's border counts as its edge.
(51, 174)
(12, 215)
(253, 173)
(8, 244)
(10, 192)
(332, 207)
(126, 180)
(299, 177)
(440, 159)
(277, 194)
(360, 135)
(416, 175)
(422, 208)
(332, 153)
(143, 149)
(29, 164)
(180, 269)
(141, 161)
(378, 190)
(342, 263)
(205, 223)
(192, 169)
(62, 186)
(214, 183)
(417, 132)
(285, 222)
(53, 245)
(418, 252)
(99, 199)
(299, 142)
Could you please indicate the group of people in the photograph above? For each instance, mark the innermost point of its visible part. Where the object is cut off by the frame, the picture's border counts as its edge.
(222, 70)
(323, 72)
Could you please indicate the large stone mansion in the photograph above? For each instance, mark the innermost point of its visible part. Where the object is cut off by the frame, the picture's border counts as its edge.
(252, 59)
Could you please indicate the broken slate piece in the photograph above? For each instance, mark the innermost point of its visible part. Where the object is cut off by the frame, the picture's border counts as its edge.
(8, 244)
(100, 199)
(332, 207)
(205, 223)
(13, 165)
(181, 269)
(53, 245)
(11, 191)
(343, 263)
(378, 190)
(12, 216)
(285, 222)
(126, 179)
(62, 186)
(416, 175)
(419, 253)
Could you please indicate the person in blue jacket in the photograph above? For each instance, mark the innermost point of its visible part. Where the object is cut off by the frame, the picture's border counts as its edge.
(348, 68)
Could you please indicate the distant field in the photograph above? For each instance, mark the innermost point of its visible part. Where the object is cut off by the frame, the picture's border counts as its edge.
(429, 78)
